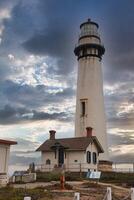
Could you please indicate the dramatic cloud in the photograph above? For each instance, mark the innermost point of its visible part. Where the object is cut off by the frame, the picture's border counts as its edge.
(38, 69)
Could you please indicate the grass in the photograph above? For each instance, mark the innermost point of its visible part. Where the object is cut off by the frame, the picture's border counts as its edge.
(9, 193)
(118, 178)
(107, 177)
(47, 177)
(50, 176)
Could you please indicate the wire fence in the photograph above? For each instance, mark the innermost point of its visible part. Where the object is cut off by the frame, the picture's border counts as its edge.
(111, 196)
(76, 167)
(116, 167)
(126, 167)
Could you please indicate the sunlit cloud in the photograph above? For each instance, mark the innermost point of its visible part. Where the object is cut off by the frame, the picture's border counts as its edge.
(38, 71)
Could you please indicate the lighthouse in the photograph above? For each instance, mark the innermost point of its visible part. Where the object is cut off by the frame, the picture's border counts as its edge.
(90, 110)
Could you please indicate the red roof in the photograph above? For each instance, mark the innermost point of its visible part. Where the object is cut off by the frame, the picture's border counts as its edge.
(8, 142)
(76, 143)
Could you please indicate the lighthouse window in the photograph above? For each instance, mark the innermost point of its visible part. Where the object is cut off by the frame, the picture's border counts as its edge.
(88, 157)
(80, 53)
(88, 51)
(96, 51)
(83, 108)
(92, 51)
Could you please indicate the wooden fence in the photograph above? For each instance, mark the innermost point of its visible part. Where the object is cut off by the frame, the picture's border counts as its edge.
(107, 196)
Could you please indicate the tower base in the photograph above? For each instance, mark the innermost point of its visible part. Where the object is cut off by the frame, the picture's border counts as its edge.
(105, 166)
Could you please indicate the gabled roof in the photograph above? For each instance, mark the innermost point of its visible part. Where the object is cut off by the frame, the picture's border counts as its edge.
(7, 142)
(71, 144)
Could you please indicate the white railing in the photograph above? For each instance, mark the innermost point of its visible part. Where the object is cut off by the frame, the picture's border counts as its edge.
(117, 167)
(123, 167)
(76, 167)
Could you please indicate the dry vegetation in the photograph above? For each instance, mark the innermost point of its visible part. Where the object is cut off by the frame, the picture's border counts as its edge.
(88, 190)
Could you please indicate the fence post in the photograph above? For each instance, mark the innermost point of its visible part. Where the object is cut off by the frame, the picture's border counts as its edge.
(27, 198)
(109, 196)
(62, 180)
(77, 195)
(80, 171)
(132, 193)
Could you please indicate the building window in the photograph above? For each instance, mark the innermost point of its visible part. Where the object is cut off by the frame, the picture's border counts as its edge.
(88, 157)
(83, 108)
(75, 160)
(48, 162)
(94, 158)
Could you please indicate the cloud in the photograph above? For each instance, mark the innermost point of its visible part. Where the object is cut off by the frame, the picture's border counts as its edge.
(5, 3)
(34, 96)
(54, 40)
(10, 115)
(24, 152)
(22, 160)
(121, 145)
(121, 138)
(62, 116)
(38, 66)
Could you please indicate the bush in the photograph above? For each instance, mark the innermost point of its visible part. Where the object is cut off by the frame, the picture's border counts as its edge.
(47, 177)
(9, 193)
(52, 176)
(117, 177)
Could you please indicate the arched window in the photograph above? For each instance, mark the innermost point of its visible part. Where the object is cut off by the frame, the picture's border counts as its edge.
(48, 162)
(94, 158)
(88, 157)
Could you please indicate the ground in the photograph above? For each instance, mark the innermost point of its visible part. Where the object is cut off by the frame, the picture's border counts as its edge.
(51, 191)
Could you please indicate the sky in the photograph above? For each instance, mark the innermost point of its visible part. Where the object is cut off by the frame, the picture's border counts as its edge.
(38, 72)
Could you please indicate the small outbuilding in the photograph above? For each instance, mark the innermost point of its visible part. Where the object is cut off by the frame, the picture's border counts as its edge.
(78, 154)
(4, 159)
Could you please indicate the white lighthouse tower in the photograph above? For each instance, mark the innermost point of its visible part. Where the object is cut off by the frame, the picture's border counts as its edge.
(90, 102)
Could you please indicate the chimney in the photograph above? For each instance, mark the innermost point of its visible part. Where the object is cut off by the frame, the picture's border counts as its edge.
(89, 131)
(52, 134)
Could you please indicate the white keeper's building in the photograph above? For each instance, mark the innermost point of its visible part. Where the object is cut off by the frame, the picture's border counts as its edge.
(73, 154)
(4, 159)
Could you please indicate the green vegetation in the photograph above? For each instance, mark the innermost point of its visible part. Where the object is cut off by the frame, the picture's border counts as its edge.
(107, 177)
(50, 176)
(47, 177)
(9, 193)
(118, 178)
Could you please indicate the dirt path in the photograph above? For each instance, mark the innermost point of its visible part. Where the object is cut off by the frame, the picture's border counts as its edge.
(87, 190)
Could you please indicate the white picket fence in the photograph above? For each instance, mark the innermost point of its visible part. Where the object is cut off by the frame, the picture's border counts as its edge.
(107, 196)
(27, 198)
